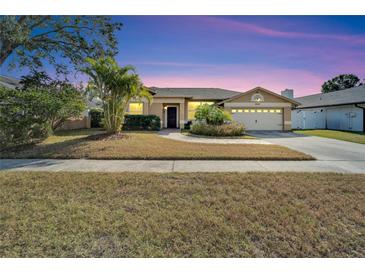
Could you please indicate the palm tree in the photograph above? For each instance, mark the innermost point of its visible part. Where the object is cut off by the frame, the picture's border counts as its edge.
(115, 86)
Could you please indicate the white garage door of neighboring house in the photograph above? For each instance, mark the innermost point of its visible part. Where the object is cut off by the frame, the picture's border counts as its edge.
(259, 119)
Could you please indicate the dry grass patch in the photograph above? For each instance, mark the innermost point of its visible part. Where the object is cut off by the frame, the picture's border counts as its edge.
(144, 145)
(181, 215)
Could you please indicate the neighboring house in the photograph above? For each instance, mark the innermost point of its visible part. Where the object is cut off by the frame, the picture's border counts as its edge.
(258, 108)
(9, 82)
(338, 110)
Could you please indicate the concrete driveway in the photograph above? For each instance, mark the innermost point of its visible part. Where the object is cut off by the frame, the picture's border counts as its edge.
(318, 147)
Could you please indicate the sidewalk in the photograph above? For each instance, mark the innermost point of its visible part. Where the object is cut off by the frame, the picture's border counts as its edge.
(53, 165)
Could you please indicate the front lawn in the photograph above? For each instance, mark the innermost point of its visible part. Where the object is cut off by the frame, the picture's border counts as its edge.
(78, 144)
(355, 137)
(181, 215)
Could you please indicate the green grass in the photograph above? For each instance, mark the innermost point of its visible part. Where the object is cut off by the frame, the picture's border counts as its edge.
(355, 137)
(77, 144)
(181, 215)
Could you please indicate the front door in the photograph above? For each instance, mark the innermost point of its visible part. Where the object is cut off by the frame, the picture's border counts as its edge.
(171, 117)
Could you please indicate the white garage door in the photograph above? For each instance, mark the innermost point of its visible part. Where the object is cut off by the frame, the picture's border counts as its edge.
(259, 119)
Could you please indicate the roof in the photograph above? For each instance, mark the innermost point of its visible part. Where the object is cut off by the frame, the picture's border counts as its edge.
(9, 82)
(264, 90)
(195, 93)
(335, 98)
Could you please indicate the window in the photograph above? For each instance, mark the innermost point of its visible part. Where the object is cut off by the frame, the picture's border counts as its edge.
(257, 110)
(135, 108)
(257, 98)
(192, 106)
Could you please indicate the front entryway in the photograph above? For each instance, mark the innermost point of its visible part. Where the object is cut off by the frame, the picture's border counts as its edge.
(171, 117)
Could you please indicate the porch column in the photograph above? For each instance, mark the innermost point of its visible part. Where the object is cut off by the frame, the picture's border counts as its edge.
(182, 114)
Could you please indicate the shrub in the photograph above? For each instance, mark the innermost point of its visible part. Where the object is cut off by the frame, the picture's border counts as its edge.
(23, 116)
(141, 122)
(29, 115)
(228, 129)
(65, 100)
(96, 116)
(212, 115)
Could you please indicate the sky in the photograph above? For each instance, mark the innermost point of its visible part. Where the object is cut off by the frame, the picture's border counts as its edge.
(242, 52)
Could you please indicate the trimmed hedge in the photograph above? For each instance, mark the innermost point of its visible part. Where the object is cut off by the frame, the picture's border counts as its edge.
(230, 129)
(142, 122)
(96, 116)
(131, 122)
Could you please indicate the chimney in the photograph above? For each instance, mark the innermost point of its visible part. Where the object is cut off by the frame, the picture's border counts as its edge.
(288, 93)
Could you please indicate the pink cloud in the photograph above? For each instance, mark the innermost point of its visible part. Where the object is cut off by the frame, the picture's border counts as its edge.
(242, 26)
(242, 79)
(173, 64)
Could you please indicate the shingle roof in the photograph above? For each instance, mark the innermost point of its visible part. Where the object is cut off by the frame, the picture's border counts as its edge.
(258, 89)
(195, 93)
(341, 97)
(9, 82)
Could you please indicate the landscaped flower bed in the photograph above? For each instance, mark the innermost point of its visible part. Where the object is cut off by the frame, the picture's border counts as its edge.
(228, 129)
(213, 121)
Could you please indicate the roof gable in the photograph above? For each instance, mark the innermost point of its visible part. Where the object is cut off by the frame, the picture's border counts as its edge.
(248, 96)
(9, 82)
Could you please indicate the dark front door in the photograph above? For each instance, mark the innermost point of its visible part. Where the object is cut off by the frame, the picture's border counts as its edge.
(171, 117)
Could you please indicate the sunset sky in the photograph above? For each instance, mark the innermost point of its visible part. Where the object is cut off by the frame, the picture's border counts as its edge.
(241, 52)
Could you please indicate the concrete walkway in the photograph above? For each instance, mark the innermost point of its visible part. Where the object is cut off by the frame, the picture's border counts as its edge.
(51, 165)
(175, 134)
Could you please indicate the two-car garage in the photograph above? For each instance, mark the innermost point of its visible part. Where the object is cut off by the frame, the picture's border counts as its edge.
(261, 109)
(259, 119)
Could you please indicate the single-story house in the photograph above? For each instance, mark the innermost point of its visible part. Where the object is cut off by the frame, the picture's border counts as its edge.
(258, 108)
(338, 110)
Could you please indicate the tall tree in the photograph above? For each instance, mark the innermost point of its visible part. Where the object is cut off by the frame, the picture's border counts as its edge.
(340, 82)
(33, 40)
(115, 86)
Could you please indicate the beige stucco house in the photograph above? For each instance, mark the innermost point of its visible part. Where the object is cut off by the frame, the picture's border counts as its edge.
(258, 108)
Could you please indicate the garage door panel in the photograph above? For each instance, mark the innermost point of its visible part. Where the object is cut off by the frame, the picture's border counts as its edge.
(260, 120)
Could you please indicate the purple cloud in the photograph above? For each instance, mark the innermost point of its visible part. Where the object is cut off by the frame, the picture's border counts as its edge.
(228, 24)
